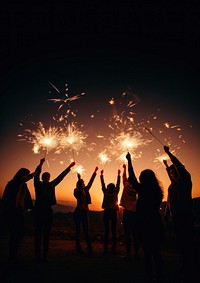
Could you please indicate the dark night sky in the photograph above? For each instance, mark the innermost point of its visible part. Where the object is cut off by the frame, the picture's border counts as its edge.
(151, 49)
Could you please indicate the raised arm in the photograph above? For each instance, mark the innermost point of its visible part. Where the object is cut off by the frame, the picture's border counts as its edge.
(38, 171)
(124, 173)
(89, 185)
(132, 178)
(79, 176)
(179, 166)
(103, 186)
(60, 177)
(118, 180)
(78, 189)
(167, 169)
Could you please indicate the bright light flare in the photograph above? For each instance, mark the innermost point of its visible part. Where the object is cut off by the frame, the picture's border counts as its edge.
(103, 158)
(45, 139)
(72, 138)
(78, 169)
(127, 142)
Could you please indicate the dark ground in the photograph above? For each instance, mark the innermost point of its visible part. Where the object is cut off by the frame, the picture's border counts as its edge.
(66, 266)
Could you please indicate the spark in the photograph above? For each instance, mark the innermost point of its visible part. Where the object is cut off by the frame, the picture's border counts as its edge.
(175, 126)
(111, 101)
(103, 157)
(66, 98)
(54, 87)
(161, 158)
(167, 125)
(78, 169)
(131, 104)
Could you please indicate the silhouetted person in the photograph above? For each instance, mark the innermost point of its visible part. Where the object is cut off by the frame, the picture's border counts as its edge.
(129, 218)
(15, 200)
(43, 212)
(179, 206)
(111, 207)
(167, 214)
(82, 195)
(150, 226)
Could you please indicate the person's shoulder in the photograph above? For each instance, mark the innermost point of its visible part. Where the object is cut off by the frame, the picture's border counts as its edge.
(10, 184)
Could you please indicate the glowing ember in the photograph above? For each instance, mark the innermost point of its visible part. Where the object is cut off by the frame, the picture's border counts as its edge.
(111, 101)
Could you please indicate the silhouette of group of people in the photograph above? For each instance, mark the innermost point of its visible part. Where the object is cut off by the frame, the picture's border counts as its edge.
(140, 199)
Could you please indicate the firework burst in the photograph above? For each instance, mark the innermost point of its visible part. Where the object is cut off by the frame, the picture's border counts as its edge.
(64, 101)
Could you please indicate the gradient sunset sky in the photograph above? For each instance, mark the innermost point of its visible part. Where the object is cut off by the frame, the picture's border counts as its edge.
(153, 80)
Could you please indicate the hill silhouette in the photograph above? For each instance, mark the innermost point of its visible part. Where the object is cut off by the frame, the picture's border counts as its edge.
(62, 208)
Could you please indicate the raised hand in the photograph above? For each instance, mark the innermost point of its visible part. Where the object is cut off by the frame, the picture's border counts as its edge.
(166, 149)
(72, 164)
(128, 156)
(42, 161)
(165, 162)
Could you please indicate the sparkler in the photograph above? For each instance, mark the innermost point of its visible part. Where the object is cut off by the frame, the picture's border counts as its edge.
(45, 139)
(78, 169)
(123, 139)
(103, 158)
(73, 138)
(154, 136)
(127, 142)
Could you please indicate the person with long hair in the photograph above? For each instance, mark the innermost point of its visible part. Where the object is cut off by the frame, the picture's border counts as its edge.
(129, 217)
(15, 200)
(150, 226)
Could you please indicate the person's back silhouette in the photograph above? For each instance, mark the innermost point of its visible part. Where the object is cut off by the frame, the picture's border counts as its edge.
(179, 206)
(43, 212)
(129, 202)
(15, 200)
(82, 195)
(111, 207)
(150, 226)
